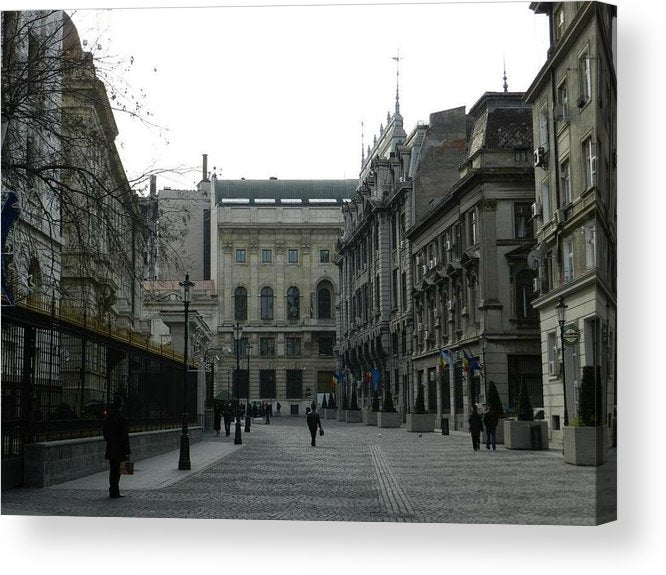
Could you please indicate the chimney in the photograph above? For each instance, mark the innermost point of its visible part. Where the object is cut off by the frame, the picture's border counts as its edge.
(205, 168)
(153, 185)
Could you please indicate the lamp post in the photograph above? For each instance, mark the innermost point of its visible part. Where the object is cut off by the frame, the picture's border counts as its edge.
(483, 342)
(560, 308)
(238, 439)
(248, 347)
(184, 460)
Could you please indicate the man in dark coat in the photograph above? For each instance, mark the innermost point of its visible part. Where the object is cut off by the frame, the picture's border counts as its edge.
(313, 422)
(490, 422)
(475, 427)
(217, 420)
(116, 436)
(228, 414)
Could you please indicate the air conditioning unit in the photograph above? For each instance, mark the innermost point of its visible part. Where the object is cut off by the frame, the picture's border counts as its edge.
(425, 268)
(535, 285)
(426, 335)
(539, 157)
(418, 260)
(536, 209)
(402, 244)
(551, 368)
(434, 262)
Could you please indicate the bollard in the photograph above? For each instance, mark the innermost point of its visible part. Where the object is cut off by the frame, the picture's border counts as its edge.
(535, 437)
(445, 425)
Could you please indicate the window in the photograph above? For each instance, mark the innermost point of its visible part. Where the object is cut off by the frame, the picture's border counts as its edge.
(549, 271)
(522, 213)
(324, 256)
(266, 256)
(403, 288)
(552, 353)
(293, 303)
(585, 78)
(545, 200)
(590, 156)
(324, 303)
(394, 289)
(266, 303)
(293, 256)
(568, 259)
(394, 231)
(543, 126)
(558, 23)
(524, 296)
(267, 346)
(590, 232)
(240, 304)
(293, 345)
(294, 384)
(267, 383)
(472, 228)
(240, 256)
(326, 343)
(563, 102)
(565, 182)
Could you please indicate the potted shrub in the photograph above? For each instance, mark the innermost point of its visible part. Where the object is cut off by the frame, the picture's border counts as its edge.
(342, 412)
(388, 416)
(370, 413)
(323, 408)
(353, 414)
(420, 420)
(525, 433)
(584, 438)
(331, 411)
(495, 403)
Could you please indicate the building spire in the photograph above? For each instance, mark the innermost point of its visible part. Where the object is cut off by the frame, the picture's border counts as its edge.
(362, 146)
(506, 86)
(397, 82)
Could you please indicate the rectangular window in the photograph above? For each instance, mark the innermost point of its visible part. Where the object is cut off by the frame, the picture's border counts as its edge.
(590, 245)
(590, 158)
(565, 182)
(240, 256)
(543, 126)
(267, 346)
(545, 200)
(294, 384)
(394, 290)
(568, 259)
(558, 23)
(326, 343)
(472, 228)
(293, 345)
(403, 288)
(563, 102)
(267, 383)
(293, 256)
(266, 256)
(585, 77)
(522, 214)
(324, 256)
(552, 353)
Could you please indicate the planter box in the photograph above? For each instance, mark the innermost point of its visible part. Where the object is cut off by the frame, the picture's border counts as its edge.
(518, 434)
(499, 433)
(421, 422)
(369, 417)
(330, 413)
(342, 414)
(388, 419)
(585, 445)
(354, 416)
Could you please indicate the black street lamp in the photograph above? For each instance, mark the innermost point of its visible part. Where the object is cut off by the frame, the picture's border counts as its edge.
(238, 439)
(184, 460)
(248, 347)
(561, 309)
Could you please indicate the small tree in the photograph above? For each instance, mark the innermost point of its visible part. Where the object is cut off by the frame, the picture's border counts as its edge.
(345, 403)
(388, 402)
(331, 401)
(525, 412)
(589, 398)
(494, 401)
(375, 401)
(419, 404)
(354, 403)
(324, 404)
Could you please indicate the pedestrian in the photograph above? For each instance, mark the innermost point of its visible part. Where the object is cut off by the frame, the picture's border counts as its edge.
(475, 427)
(277, 409)
(314, 423)
(217, 420)
(490, 422)
(116, 436)
(254, 409)
(267, 411)
(227, 413)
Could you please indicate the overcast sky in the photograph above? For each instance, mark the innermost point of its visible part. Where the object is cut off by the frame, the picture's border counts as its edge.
(282, 91)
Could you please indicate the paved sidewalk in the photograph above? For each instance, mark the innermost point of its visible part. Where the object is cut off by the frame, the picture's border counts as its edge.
(161, 470)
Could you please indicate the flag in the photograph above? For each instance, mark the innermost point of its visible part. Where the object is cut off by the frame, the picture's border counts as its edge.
(470, 361)
(374, 375)
(334, 381)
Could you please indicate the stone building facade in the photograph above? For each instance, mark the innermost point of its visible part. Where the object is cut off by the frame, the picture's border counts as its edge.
(272, 248)
(472, 286)
(574, 100)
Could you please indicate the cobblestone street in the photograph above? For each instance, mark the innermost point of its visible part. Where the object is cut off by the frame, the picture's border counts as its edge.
(356, 473)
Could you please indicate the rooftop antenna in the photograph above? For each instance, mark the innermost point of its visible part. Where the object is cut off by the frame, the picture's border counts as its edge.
(397, 81)
(506, 86)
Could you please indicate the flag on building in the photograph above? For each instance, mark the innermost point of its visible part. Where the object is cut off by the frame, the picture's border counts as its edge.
(374, 377)
(470, 361)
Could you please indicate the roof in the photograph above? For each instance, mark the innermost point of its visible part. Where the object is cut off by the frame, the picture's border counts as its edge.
(270, 191)
(501, 127)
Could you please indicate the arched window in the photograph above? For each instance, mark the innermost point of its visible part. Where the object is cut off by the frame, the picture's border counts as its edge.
(524, 296)
(240, 304)
(324, 303)
(266, 303)
(293, 303)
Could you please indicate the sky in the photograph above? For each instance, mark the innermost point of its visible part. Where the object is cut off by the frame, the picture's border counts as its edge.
(283, 91)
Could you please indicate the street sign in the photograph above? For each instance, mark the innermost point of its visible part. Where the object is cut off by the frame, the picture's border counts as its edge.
(571, 335)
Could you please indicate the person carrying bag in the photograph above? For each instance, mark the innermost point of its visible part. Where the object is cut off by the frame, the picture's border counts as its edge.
(314, 422)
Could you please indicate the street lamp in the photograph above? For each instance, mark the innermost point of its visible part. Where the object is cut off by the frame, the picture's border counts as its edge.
(560, 308)
(248, 347)
(483, 342)
(238, 330)
(184, 460)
